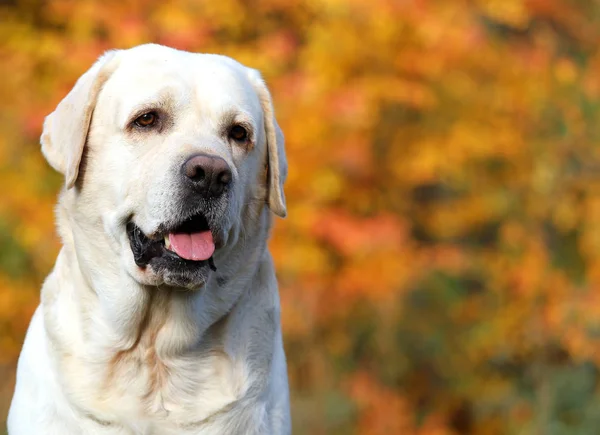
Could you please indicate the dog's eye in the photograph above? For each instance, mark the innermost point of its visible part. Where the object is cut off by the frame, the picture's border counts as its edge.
(146, 120)
(238, 133)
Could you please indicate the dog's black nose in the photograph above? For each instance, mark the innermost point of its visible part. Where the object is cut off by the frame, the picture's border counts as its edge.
(209, 175)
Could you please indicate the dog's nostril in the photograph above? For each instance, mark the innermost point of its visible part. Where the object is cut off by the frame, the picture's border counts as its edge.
(196, 173)
(225, 178)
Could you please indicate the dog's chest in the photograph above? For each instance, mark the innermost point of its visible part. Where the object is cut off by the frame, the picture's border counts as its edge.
(152, 383)
(197, 385)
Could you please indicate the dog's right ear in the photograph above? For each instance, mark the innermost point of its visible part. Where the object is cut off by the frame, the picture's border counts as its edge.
(66, 129)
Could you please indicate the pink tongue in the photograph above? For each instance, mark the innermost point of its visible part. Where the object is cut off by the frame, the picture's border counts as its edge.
(195, 246)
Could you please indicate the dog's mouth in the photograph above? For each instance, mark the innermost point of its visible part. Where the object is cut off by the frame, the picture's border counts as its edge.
(189, 244)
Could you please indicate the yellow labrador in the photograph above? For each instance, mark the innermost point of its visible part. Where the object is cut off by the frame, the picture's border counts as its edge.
(161, 315)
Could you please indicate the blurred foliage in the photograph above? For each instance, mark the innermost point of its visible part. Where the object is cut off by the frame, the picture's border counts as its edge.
(440, 266)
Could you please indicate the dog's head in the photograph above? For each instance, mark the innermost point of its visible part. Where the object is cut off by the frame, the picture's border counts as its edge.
(166, 150)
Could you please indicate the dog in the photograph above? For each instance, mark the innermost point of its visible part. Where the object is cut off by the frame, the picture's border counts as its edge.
(161, 314)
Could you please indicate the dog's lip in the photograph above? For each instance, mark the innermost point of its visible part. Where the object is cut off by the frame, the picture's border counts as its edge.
(194, 222)
(145, 249)
(163, 230)
(159, 237)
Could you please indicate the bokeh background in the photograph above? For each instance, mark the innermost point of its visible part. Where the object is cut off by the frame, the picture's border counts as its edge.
(440, 265)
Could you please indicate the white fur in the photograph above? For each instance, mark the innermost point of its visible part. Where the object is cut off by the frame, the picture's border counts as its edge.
(112, 349)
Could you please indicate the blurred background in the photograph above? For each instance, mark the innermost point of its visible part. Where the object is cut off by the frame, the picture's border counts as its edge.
(440, 266)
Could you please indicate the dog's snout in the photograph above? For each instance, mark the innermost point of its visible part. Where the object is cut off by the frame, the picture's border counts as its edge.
(209, 175)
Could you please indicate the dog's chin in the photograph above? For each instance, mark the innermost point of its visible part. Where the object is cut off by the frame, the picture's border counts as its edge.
(158, 264)
(179, 273)
(159, 275)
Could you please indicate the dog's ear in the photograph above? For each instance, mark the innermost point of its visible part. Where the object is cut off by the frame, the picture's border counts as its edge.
(66, 129)
(276, 159)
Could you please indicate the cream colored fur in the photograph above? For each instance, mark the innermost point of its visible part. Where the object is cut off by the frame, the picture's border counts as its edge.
(112, 349)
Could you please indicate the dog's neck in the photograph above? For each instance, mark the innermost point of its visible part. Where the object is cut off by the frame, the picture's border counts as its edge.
(113, 309)
(153, 351)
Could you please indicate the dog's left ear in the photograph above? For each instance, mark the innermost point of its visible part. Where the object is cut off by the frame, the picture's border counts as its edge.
(66, 129)
(276, 159)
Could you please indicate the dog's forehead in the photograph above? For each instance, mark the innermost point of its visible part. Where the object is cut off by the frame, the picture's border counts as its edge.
(150, 72)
